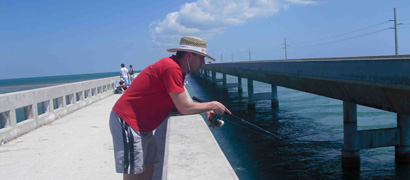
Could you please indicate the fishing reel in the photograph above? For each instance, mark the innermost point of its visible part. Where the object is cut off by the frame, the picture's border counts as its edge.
(218, 121)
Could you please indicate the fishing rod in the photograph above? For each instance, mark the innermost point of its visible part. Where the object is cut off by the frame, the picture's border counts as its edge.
(241, 119)
(256, 127)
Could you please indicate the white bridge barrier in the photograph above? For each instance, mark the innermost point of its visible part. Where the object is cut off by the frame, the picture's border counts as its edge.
(44, 105)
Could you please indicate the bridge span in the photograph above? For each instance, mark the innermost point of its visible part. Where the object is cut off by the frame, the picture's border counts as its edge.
(63, 133)
(381, 82)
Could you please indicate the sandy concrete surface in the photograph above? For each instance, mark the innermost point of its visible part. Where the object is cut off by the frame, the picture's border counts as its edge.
(77, 146)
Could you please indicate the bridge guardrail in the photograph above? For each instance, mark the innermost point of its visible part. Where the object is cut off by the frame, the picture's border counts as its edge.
(44, 105)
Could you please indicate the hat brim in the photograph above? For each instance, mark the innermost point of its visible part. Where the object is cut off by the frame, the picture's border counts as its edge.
(189, 50)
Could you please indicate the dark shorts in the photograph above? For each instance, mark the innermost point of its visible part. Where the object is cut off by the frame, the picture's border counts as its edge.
(132, 149)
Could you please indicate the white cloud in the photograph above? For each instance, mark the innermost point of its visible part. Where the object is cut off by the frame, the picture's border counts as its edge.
(304, 1)
(205, 18)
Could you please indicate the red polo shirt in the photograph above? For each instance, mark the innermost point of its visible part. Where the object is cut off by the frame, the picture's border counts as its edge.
(146, 103)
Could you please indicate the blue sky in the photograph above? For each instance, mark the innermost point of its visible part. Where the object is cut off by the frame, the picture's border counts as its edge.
(45, 38)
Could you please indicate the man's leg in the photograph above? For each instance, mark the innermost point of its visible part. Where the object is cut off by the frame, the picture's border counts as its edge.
(149, 171)
(146, 175)
(133, 177)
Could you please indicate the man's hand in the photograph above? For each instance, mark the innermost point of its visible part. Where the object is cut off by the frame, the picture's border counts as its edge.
(209, 116)
(186, 107)
(220, 109)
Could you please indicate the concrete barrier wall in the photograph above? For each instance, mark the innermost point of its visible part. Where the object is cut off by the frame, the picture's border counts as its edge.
(191, 151)
(188, 150)
(52, 103)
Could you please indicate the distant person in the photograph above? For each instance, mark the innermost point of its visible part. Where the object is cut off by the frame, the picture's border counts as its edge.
(122, 86)
(131, 73)
(147, 102)
(124, 74)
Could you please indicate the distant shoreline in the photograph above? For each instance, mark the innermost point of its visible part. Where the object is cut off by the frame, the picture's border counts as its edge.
(21, 84)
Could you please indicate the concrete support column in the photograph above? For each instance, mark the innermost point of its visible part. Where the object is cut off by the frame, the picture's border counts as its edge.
(224, 83)
(13, 118)
(63, 102)
(224, 79)
(403, 150)
(351, 149)
(34, 111)
(29, 111)
(51, 105)
(213, 78)
(251, 103)
(205, 74)
(240, 85)
(274, 94)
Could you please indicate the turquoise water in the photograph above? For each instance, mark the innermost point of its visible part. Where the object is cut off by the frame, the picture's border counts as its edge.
(20, 84)
(312, 129)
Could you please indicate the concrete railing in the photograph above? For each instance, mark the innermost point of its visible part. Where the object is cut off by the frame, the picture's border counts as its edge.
(188, 150)
(24, 111)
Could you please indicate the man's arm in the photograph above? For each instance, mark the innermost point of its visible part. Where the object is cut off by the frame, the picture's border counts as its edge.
(186, 107)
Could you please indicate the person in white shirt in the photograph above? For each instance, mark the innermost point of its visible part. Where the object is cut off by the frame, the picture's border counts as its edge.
(124, 74)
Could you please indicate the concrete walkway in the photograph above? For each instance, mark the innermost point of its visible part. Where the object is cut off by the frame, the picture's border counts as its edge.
(77, 146)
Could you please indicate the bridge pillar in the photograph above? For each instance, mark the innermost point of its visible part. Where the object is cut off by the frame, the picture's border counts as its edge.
(351, 149)
(251, 103)
(403, 150)
(213, 78)
(240, 85)
(204, 73)
(274, 96)
(225, 90)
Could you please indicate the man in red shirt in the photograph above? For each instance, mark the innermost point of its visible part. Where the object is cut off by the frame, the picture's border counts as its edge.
(148, 101)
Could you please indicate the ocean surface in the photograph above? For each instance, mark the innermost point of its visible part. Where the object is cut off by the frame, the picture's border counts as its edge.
(310, 128)
(21, 84)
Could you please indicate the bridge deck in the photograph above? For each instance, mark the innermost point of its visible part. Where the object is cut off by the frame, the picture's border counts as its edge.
(77, 146)
(381, 82)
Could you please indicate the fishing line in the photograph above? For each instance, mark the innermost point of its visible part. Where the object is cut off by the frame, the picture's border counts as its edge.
(261, 131)
(246, 122)
(256, 129)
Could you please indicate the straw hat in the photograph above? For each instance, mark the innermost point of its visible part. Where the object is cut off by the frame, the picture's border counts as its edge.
(192, 44)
